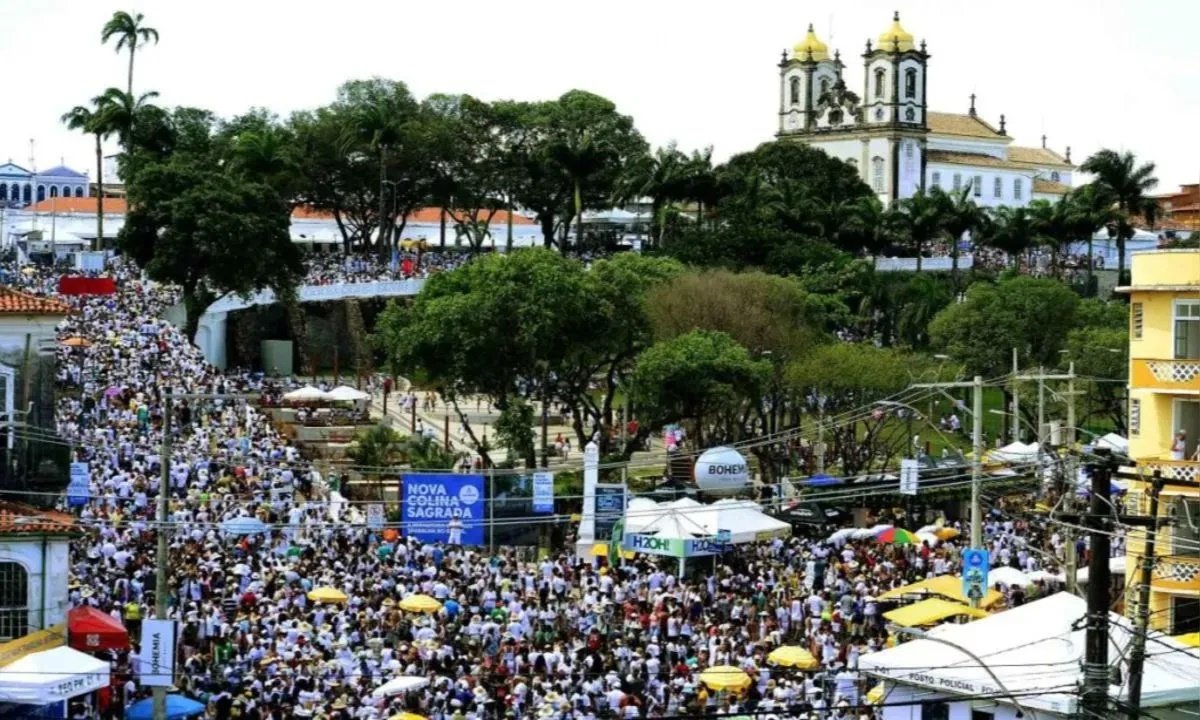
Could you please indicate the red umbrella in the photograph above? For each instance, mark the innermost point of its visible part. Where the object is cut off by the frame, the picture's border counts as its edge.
(897, 536)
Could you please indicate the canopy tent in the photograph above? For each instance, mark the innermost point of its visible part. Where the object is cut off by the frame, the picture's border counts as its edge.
(1008, 576)
(178, 707)
(308, 393)
(945, 586)
(1036, 652)
(685, 518)
(89, 629)
(243, 525)
(345, 393)
(1017, 452)
(1116, 566)
(1114, 442)
(930, 612)
(397, 685)
(52, 676)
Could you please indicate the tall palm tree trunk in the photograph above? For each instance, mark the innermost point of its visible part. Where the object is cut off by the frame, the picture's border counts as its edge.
(383, 234)
(919, 247)
(442, 230)
(508, 240)
(578, 215)
(99, 195)
(132, 50)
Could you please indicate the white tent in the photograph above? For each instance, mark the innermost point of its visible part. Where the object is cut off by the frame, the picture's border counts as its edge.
(1036, 651)
(1009, 576)
(745, 521)
(346, 393)
(1116, 566)
(1016, 453)
(1114, 442)
(52, 676)
(308, 393)
(397, 685)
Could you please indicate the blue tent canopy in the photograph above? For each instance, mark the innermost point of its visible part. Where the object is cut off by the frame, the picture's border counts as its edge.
(178, 707)
(243, 526)
(822, 480)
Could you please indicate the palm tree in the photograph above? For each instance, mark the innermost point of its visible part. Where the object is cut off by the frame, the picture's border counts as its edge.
(100, 125)
(131, 34)
(120, 109)
(1092, 209)
(378, 126)
(960, 215)
(1128, 184)
(659, 176)
(919, 218)
(581, 157)
(1012, 231)
(869, 225)
(700, 182)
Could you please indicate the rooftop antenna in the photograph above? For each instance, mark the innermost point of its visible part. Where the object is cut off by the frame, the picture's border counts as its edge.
(33, 188)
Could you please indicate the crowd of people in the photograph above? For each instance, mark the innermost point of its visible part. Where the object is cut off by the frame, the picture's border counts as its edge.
(516, 637)
(334, 267)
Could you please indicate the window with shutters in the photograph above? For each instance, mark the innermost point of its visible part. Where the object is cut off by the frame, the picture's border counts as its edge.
(957, 181)
(877, 174)
(1018, 188)
(1136, 320)
(14, 601)
(1135, 416)
(997, 188)
(977, 186)
(936, 179)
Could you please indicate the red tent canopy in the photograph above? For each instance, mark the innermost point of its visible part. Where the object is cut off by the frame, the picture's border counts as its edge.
(90, 630)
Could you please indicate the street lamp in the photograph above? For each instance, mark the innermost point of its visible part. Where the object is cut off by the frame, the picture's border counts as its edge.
(922, 635)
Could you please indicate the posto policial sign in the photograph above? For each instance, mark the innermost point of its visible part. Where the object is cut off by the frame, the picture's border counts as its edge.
(721, 469)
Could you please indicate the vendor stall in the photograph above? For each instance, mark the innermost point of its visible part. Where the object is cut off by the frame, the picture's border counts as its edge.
(51, 676)
(89, 630)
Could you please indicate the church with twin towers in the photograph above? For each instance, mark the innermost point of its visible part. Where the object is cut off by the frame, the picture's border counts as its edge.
(881, 124)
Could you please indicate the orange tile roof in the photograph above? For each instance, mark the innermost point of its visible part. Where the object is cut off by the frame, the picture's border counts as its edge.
(18, 518)
(15, 302)
(968, 125)
(1050, 187)
(115, 206)
(433, 215)
(1042, 157)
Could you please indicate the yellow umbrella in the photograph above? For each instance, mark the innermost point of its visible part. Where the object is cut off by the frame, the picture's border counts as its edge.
(77, 342)
(327, 594)
(947, 533)
(725, 677)
(601, 550)
(407, 716)
(793, 656)
(420, 603)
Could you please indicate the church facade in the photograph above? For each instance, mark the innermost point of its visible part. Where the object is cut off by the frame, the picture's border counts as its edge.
(883, 127)
(20, 187)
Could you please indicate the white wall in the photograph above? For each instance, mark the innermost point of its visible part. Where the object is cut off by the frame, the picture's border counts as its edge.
(987, 198)
(960, 710)
(910, 167)
(997, 149)
(28, 552)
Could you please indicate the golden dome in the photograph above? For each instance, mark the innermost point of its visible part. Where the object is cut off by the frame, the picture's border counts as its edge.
(810, 48)
(896, 38)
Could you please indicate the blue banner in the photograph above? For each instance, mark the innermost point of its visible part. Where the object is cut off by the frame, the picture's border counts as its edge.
(543, 492)
(610, 507)
(78, 490)
(975, 573)
(432, 501)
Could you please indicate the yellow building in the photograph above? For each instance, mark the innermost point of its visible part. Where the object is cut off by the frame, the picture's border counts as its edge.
(1164, 430)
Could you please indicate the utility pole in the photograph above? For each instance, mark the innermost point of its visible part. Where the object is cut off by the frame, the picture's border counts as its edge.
(1016, 393)
(1137, 657)
(1094, 699)
(1041, 432)
(1071, 405)
(976, 386)
(161, 557)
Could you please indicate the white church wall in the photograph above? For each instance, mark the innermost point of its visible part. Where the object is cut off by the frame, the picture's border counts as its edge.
(950, 143)
(46, 564)
(910, 168)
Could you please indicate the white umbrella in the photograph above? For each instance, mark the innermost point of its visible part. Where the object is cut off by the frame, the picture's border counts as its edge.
(1009, 576)
(308, 393)
(868, 533)
(841, 536)
(395, 686)
(345, 392)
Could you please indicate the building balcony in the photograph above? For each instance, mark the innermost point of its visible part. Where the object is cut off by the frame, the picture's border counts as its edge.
(1176, 470)
(1166, 375)
(1176, 574)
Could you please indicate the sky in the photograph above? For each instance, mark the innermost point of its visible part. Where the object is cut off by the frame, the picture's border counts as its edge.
(1087, 73)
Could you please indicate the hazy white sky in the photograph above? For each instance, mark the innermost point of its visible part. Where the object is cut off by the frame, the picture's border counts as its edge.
(1088, 73)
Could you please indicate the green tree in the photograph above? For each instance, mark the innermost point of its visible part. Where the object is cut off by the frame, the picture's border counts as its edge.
(1013, 230)
(662, 177)
(376, 448)
(120, 110)
(131, 33)
(960, 215)
(1127, 185)
(919, 220)
(1030, 314)
(919, 301)
(100, 125)
(1099, 347)
(1092, 210)
(514, 428)
(702, 377)
(190, 220)
(837, 381)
